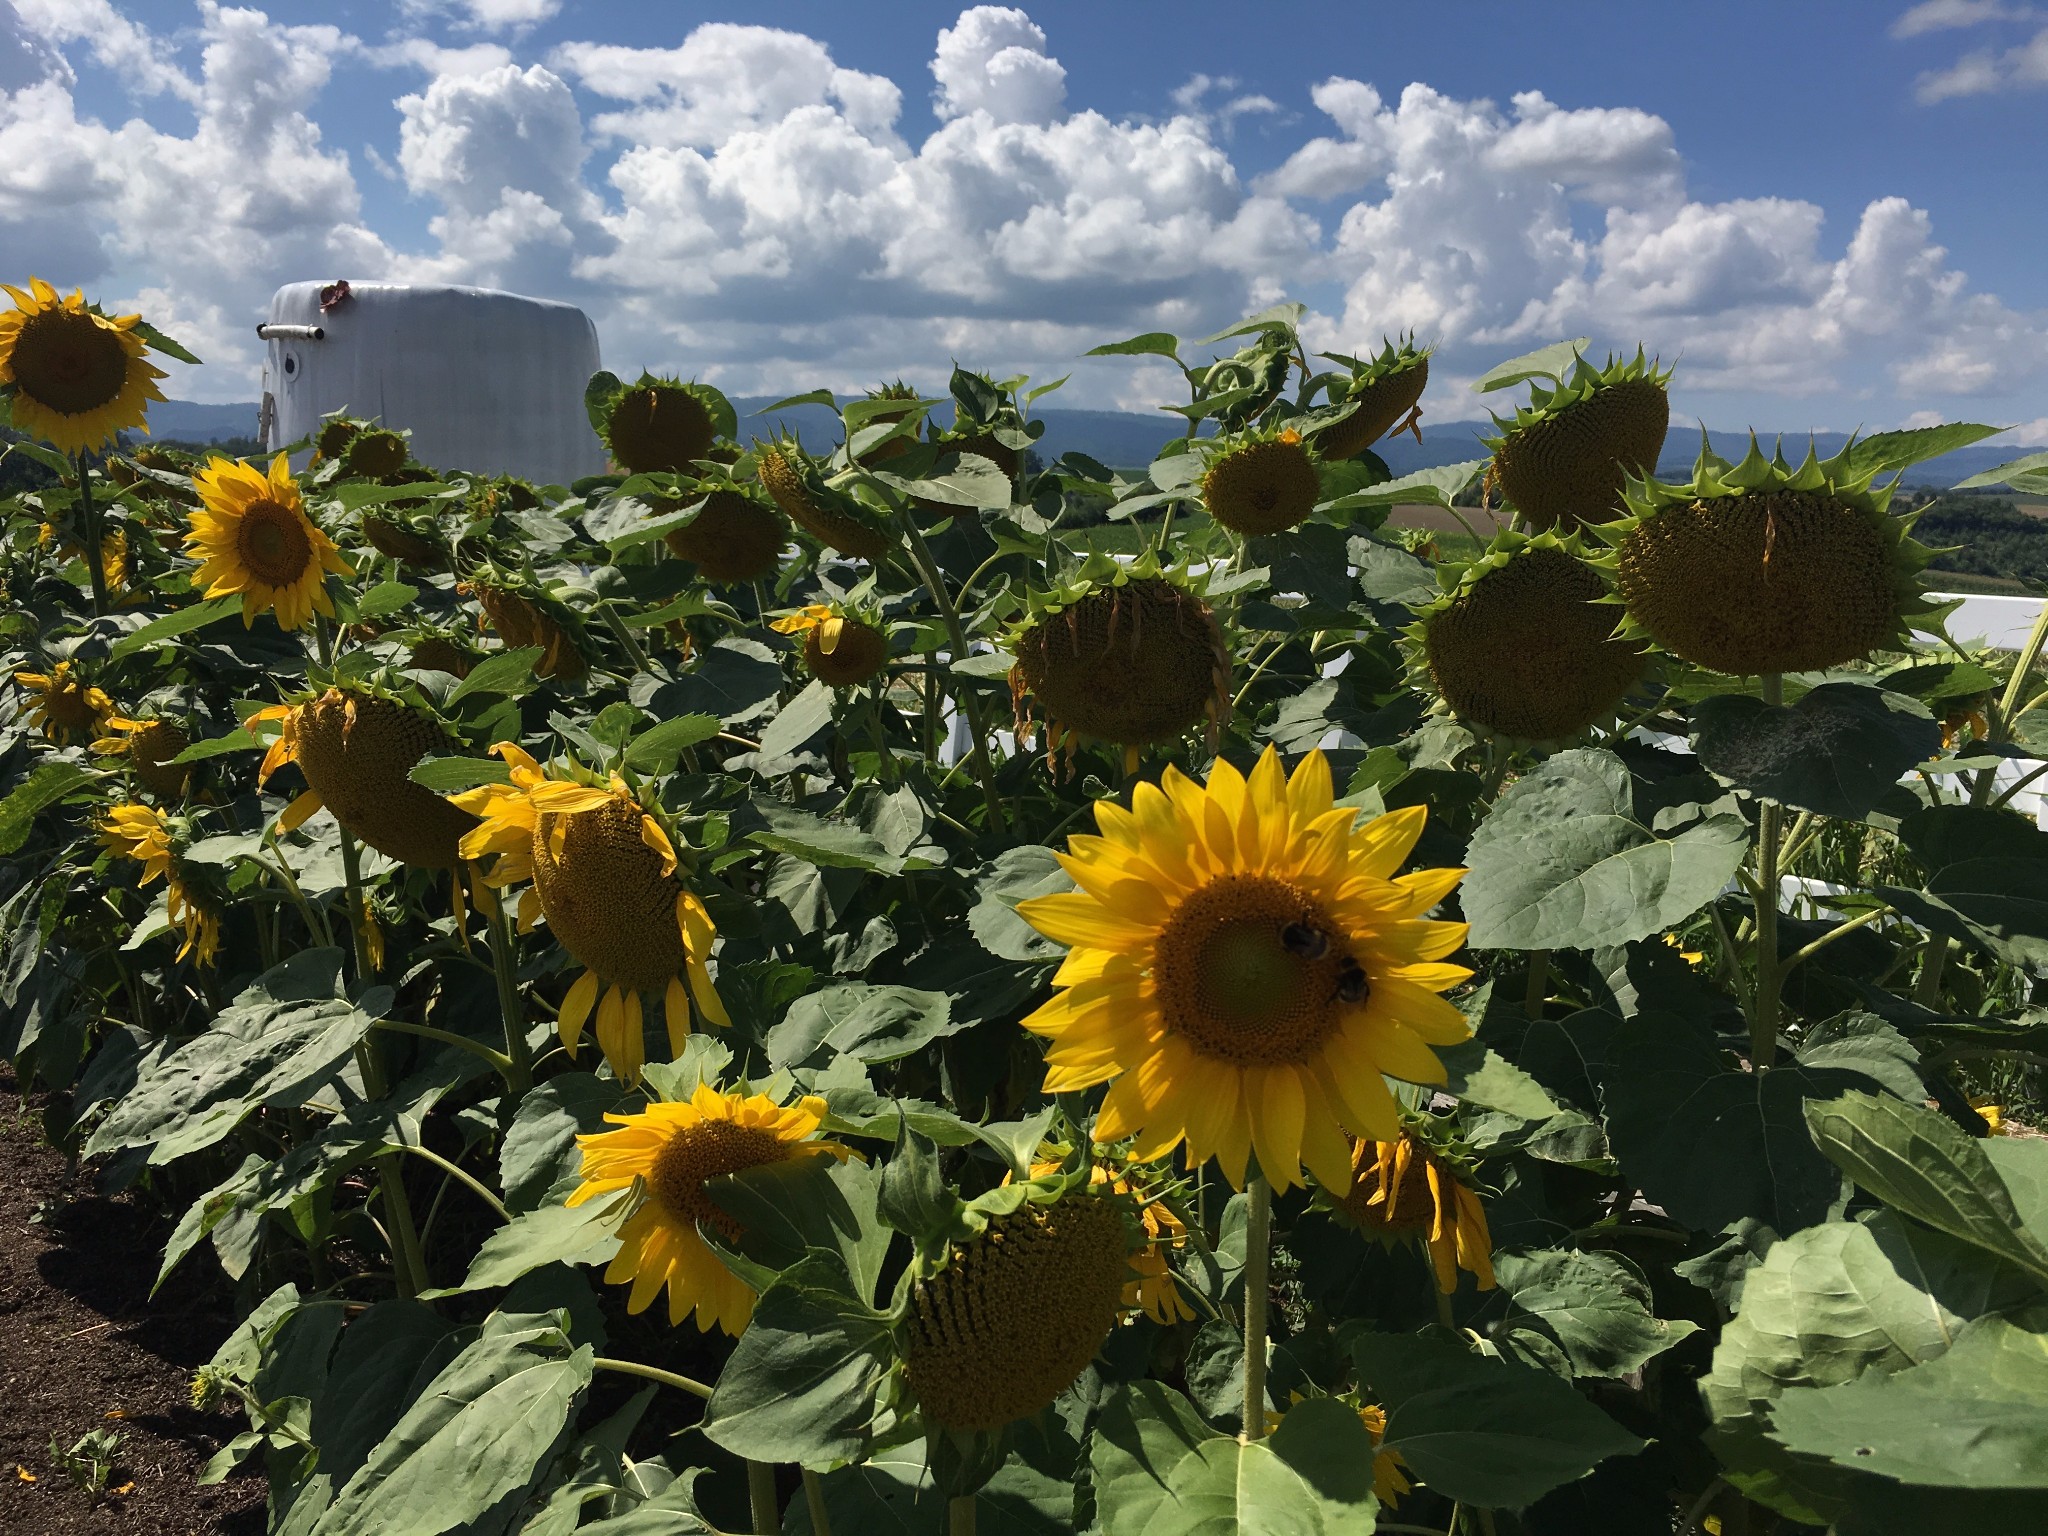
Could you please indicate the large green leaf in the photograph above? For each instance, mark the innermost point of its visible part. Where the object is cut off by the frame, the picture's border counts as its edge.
(551, 1234)
(2027, 473)
(478, 1432)
(1596, 1307)
(50, 782)
(383, 1362)
(872, 1023)
(1885, 452)
(539, 1149)
(1563, 862)
(788, 1208)
(802, 1381)
(179, 622)
(285, 1036)
(1484, 1431)
(1975, 1418)
(1555, 361)
(1160, 1469)
(1711, 1142)
(1838, 751)
(1920, 1162)
(820, 840)
(1015, 875)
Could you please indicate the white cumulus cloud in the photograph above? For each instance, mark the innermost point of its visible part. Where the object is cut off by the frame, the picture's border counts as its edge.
(993, 60)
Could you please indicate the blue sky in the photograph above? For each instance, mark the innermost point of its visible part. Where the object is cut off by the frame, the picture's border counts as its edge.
(1822, 210)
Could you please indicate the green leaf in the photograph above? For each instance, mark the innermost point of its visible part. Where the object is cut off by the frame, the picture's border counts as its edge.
(1987, 882)
(797, 721)
(1711, 1142)
(1016, 874)
(823, 397)
(450, 775)
(1277, 317)
(1440, 485)
(163, 343)
(1555, 361)
(2029, 473)
(552, 1234)
(181, 622)
(43, 788)
(655, 750)
(507, 673)
(1563, 862)
(787, 1209)
(539, 1149)
(280, 1040)
(1596, 1306)
(237, 740)
(1889, 451)
(802, 1381)
(871, 1023)
(1159, 1469)
(1483, 1077)
(1920, 1162)
(1973, 1418)
(384, 1361)
(972, 480)
(1150, 344)
(385, 597)
(478, 1432)
(1838, 751)
(829, 844)
(1488, 1432)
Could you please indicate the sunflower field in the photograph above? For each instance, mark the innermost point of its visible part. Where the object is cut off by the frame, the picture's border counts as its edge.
(883, 984)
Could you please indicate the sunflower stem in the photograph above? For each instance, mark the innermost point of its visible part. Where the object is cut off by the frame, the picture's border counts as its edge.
(358, 906)
(1258, 1239)
(497, 1059)
(652, 1373)
(408, 1263)
(960, 1516)
(1763, 1016)
(89, 518)
(1537, 992)
(814, 1500)
(505, 964)
(935, 584)
(624, 636)
(761, 1498)
(462, 1176)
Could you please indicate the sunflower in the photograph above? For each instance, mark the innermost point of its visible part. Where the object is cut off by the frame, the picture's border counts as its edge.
(1257, 485)
(733, 538)
(113, 552)
(1389, 1472)
(830, 516)
(520, 622)
(669, 1151)
(151, 747)
(1404, 1189)
(357, 751)
(1016, 1312)
(1151, 1289)
(839, 648)
(1245, 964)
(141, 833)
(251, 535)
(78, 377)
(604, 876)
(63, 705)
(658, 424)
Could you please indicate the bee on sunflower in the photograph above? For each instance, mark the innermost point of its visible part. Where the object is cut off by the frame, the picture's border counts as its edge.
(1245, 962)
(146, 835)
(602, 869)
(63, 704)
(251, 535)
(665, 1154)
(72, 376)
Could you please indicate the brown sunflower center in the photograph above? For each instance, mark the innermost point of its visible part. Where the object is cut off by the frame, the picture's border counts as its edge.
(273, 544)
(71, 707)
(704, 1151)
(605, 895)
(1251, 970)
(69, 362)
(1409, 1206)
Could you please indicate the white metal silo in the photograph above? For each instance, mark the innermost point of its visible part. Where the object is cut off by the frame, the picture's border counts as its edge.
(485, 381)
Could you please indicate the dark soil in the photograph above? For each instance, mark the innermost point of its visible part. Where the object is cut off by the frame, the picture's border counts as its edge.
(83, 1347)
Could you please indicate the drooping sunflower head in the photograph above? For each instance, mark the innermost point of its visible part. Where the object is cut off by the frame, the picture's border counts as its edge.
(1761, 567)
(604, 874)
(1411, 1189)
(373, 453)
(835, 519)
(153, 840)
(151, 745)
(668, 1152)
(64, 704)
(1245, 961)
(1008, 1318)
(1562, 458)
(658, 424)
(523, 615)
(439, 650)
(1150, 1286)
(73, 376)
(886, 406)
(412, 541)
(1127, 654)
(734, 538)
(334, 436)
(843, 646)
(1387, 390)
(1522, 643)
(1261, 482)
(357, 747)
(251, 535)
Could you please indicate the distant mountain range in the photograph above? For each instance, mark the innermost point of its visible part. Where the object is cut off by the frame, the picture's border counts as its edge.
(1131, 439)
